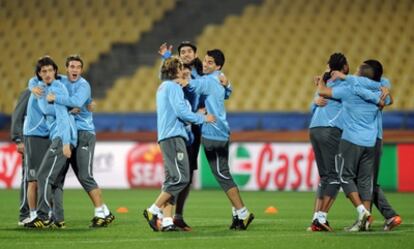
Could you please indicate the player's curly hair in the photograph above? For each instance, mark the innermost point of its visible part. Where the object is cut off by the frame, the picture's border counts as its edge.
(337, 61)
(170, 67)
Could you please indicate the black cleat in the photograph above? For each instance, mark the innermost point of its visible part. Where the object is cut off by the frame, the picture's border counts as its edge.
(38, 223)
(98, 222)
(180, 223)
(109, 218)
(243, 224)
(323, 227)
(170, 228)
(152, 220)
(234, 223)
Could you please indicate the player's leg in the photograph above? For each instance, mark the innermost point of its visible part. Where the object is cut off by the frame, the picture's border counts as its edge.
(392, 219)
(217, 153)
(176, 179)
(329, 147)
(192, 151)
(24, 211)
(316, 136)
(52, 164)
(364, 181)
(349, 156)
(82, 164)
(58, 216)
(35, 150)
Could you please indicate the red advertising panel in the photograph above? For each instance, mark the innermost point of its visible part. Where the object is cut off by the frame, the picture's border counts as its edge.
(405, 167)
(10, 165)
(144, 166)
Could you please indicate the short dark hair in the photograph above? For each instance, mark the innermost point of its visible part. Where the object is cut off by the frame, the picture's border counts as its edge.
(366, 70)
(45, 61)
(337, 61)
(169, 68)
(186, 44)
(376, 67)
(74, 57)
(218, 57)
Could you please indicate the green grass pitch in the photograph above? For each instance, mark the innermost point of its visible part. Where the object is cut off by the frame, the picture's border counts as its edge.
(208, 212)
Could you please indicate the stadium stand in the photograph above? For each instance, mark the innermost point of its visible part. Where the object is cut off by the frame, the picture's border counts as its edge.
(30, 29)
(273, 49)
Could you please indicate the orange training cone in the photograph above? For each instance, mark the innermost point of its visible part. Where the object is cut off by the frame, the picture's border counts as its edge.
(271, 210)
(122, 210)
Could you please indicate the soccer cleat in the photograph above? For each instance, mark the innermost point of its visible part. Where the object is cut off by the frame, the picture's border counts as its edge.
(98, 222)
(234, 223)
(23, 222)
(244, 223)
(109, 218)
(170, 228)
(366, 222)
(152, 220)
(58, 225)
(356, 227)
(362, 224)
(38, 223)
(313, 227)
(180, 223)
(392, 223)
(323, 227)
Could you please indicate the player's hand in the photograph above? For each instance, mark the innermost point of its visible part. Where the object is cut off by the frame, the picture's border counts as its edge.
(75, 110)
(202, 110)
(210, 118)
(321, 101)
(384, 92)
(91, 106)
(67, 151)
(381, 104)
(20, 147)
(317, 80)
(223, 80)
(164, 48)
(50, 97)
(337, 75)
(37, 91)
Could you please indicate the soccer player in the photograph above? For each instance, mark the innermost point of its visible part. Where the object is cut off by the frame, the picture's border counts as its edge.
(392, 219)
(36, 148)
(62, 134)
(215, 136)
(172, 112)
(82, 156)
(325, 133)
(357, 146)
(187, 51)
(36, 143)
(17, 118)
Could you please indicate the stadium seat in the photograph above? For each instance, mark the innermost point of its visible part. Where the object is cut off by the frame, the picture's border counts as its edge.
(70, 26)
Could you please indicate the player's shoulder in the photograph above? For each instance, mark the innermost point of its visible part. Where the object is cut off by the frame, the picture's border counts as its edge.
(83, 81)
(169, 84)
(34, 79)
